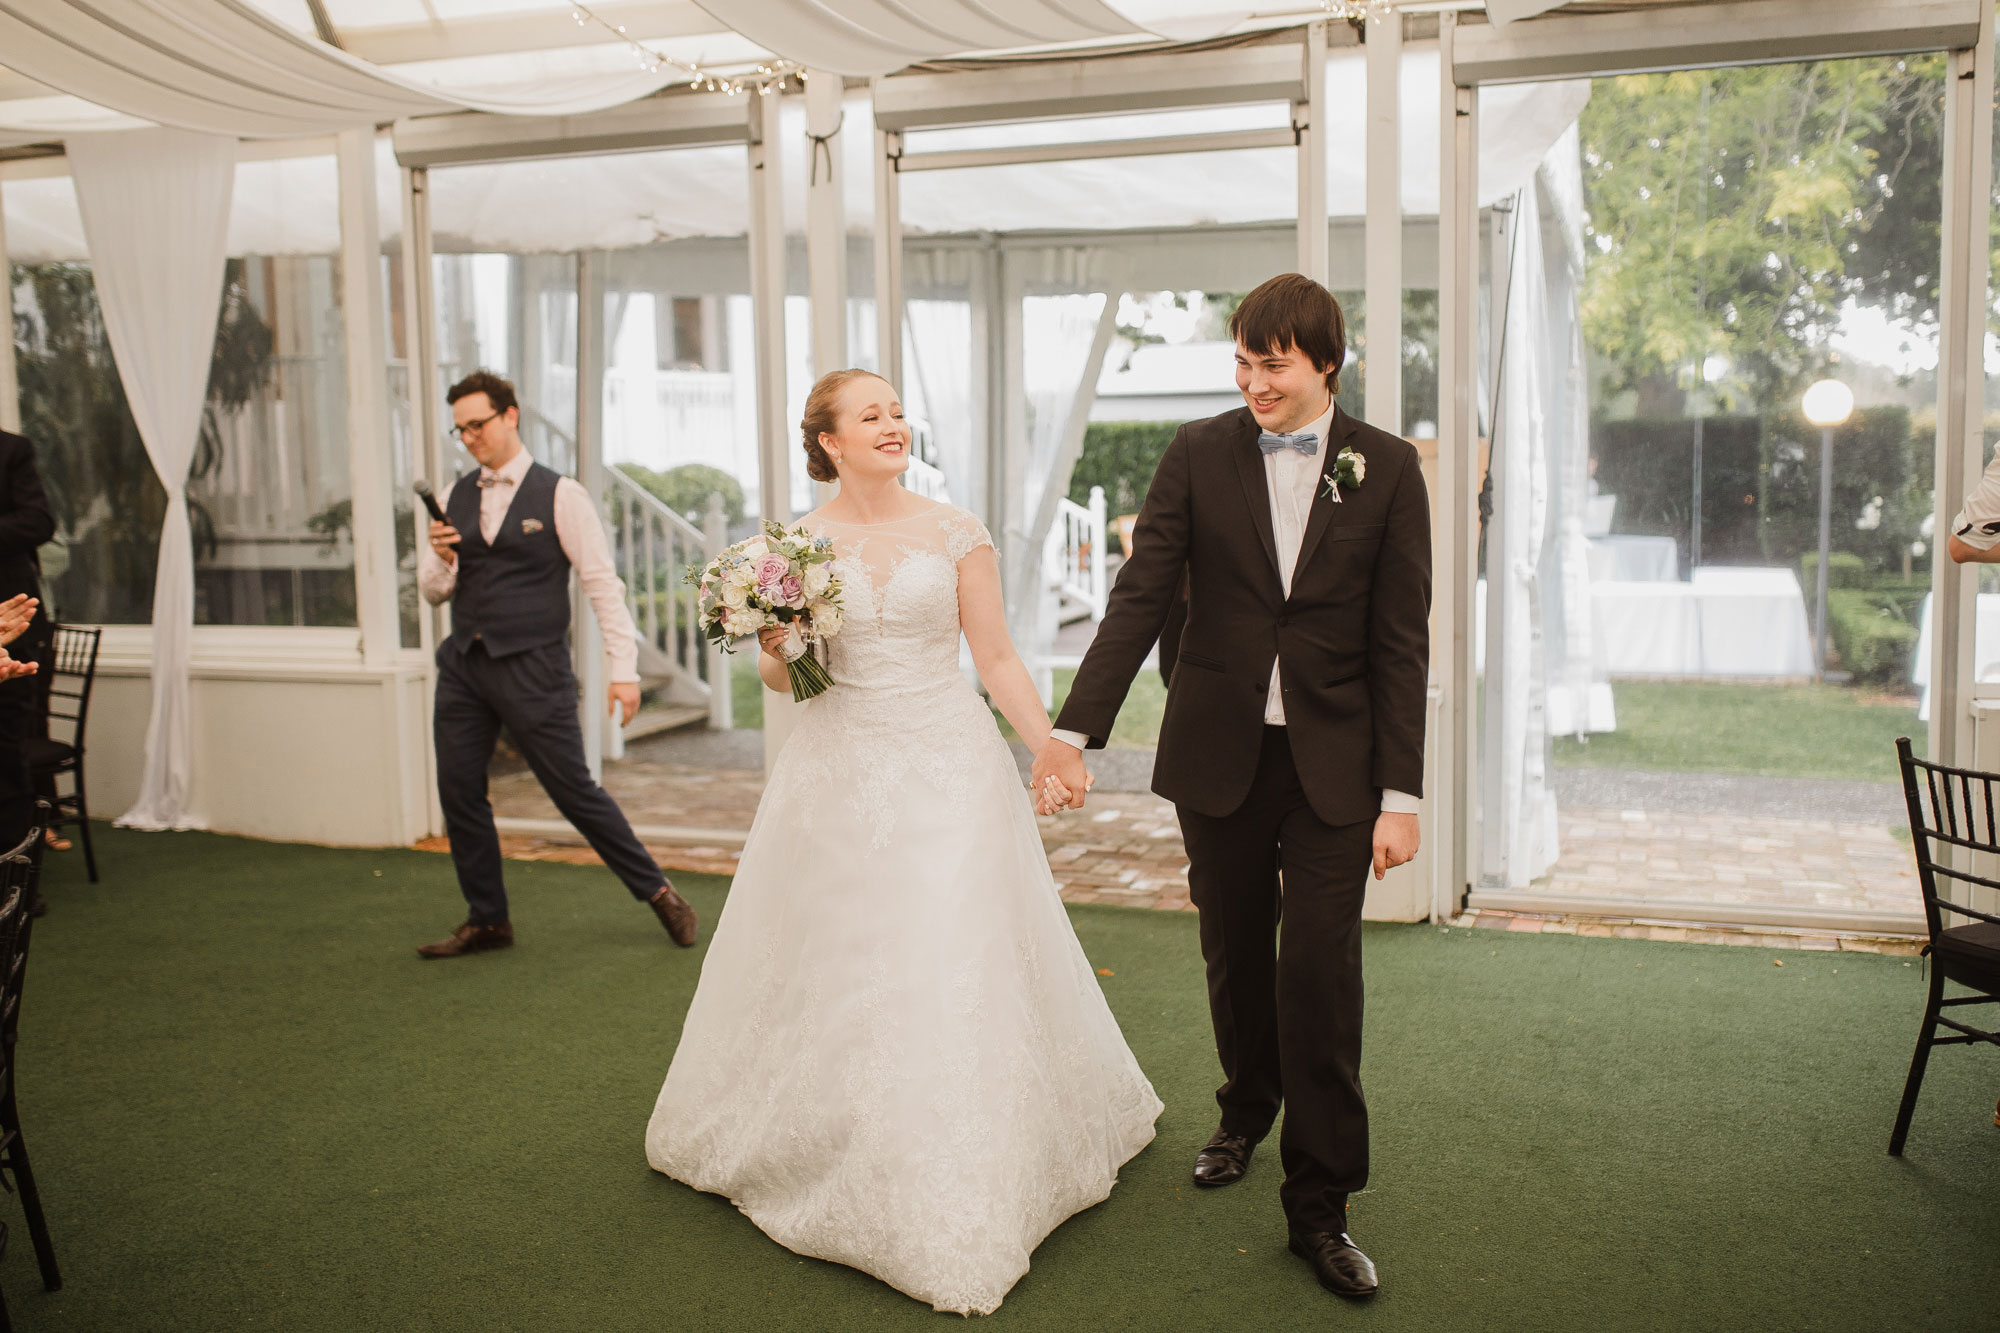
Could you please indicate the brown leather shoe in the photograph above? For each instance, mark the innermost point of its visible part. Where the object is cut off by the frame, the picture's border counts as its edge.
(1224, 1160)
(469, 938)
(674, 914)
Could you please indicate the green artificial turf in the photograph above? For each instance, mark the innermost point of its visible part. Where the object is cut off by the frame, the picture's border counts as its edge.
(1786, 731)
(252, 1107)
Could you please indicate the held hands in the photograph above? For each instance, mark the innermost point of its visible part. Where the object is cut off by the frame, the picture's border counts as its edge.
(1395, 841)
(444, 541)
(1060, 780)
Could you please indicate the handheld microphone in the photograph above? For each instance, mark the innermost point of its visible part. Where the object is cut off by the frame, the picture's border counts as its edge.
(429, 497)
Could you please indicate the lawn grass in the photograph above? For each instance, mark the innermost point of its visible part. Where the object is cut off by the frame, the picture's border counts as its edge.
(252, 1107)
(1791, 731)
(1785, 731)
(1138, 725)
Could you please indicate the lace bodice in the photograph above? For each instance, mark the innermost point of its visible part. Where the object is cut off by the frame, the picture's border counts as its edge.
(900, 597)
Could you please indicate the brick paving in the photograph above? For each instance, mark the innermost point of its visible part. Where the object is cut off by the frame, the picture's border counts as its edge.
(1650, 855)
(1124, 848)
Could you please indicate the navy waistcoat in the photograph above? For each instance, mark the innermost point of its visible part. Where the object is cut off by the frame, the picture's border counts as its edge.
(512, 594)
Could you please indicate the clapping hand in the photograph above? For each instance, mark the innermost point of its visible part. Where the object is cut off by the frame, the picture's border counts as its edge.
(15, 614)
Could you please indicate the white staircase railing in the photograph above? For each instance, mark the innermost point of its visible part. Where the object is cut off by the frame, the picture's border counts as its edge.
(654, 548)
(1074, 559)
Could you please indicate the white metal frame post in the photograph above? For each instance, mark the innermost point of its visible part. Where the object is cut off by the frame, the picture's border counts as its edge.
(1382, 386)
(888, 255)
(1453, 545)
(426, 435)
(1308, 125)
(826, 228)
(767, 300)
(602, 737)
(370, 468)
(826, 221)
(1962, 309)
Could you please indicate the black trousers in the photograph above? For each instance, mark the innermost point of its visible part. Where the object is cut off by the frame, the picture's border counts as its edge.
(21, 719)
(1280, 898)
(533, 695)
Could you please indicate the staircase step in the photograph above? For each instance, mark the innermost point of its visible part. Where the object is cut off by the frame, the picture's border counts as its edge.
(656, 718)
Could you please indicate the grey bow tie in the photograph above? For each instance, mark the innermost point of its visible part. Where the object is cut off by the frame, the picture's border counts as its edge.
(1306, 442)
(493, 479)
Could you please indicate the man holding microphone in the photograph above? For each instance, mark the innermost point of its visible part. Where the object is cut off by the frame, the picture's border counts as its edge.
(514, 531)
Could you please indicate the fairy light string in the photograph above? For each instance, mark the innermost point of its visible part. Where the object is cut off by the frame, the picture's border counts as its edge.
(770, 77)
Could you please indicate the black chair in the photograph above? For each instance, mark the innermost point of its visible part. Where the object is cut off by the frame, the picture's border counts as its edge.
(71, 671)
(1951, 809)
(19, 883)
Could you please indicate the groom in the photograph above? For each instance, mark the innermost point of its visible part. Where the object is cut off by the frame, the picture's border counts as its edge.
(1293, 740)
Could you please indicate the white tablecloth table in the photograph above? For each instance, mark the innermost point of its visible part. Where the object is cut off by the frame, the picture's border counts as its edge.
(1630, 559)
(1726, 622)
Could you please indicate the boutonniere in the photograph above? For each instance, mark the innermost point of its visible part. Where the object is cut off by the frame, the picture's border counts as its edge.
(531, 525)
(1348, 470)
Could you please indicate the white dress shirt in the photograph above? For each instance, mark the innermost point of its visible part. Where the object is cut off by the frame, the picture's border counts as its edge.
(1292, 478)
(583, 541)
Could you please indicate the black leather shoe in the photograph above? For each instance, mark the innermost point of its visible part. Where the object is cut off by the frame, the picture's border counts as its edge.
(1224, 1160)
(1337, 1262)
(674, 914)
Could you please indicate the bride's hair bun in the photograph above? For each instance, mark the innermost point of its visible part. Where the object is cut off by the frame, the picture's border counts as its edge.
(823, 418)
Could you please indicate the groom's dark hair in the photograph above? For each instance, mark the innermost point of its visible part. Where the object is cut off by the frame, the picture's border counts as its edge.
(1291, 310)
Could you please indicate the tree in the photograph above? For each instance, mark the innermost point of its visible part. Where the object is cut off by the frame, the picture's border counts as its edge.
(1733, 212)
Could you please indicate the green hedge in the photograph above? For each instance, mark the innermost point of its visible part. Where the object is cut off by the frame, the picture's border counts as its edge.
(1843, 570)
(1872, 635)
(1760, 484)
(685, 489)
(1120, 456)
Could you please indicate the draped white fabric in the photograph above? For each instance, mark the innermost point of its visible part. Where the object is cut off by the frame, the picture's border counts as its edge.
(223, 67)
(1520, 840)
(937, 335)
(158, 270)
(1056, 337)
(864, 37)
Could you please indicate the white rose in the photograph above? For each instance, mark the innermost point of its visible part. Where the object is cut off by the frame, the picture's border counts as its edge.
(735, 595)
(1360, 467)
(826, 620)
(817, 579)
(755, 547)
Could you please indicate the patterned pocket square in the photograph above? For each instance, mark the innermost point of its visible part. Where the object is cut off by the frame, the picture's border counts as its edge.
(531, 525)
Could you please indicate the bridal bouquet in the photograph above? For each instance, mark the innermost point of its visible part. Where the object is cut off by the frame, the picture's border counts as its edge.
(779, 578)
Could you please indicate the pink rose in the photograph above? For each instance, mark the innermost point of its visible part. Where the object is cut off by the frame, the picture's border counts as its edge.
(793, 591)
(771, 570)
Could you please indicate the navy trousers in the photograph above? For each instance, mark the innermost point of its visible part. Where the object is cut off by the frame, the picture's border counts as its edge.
(532, 695)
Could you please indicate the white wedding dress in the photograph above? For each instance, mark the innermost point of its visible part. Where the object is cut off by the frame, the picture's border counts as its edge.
(898, 1057)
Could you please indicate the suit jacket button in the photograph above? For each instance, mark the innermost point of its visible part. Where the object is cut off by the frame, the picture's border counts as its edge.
(1262, 686)
(1284, 621)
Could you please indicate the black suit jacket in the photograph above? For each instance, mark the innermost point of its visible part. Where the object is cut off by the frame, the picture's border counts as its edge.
(1352, 639)
(25, 520)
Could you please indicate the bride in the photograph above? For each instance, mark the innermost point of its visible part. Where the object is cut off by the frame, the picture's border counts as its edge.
(898, 1057)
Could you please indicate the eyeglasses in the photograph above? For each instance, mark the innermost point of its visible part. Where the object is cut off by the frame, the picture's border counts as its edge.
(474, 427)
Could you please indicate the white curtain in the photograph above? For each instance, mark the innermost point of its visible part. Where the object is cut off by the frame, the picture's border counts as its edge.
(937, 354)
(1520, 833)
(155, 207)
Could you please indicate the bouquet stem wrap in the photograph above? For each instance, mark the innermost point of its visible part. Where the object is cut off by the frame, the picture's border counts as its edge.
(806, 672)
